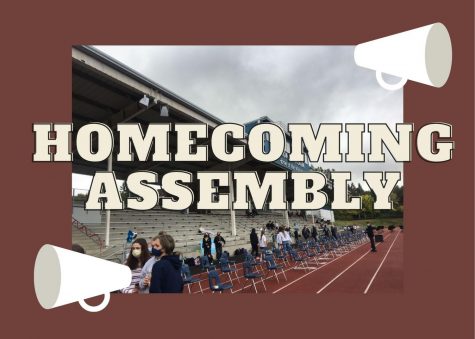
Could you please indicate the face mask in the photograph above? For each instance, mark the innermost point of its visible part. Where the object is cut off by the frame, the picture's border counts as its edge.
(156, 252)
(136, 253)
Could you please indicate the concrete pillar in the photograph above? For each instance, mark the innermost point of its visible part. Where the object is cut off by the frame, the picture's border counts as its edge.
(286, 216)
(231, 210)
(108, 212)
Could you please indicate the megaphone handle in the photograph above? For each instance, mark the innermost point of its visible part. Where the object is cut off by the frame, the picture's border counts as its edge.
(98, 308)
(389, 87)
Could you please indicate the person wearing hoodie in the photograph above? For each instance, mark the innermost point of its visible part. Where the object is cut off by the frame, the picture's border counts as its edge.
(166, 273)
(146, 273)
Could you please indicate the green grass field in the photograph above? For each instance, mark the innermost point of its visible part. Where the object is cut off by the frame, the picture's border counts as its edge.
(375, 222)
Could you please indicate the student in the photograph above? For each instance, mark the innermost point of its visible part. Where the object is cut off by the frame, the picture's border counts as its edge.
(207, 247)
(326, 231)
(370, 233)
(254, 243)
(305, 233)
(314, 233)
(263, 243)
(219, 243)
(334, 231)
(166, 273)
(137, 258)
(286, 240)
(296, 235)
(146, 273)
(280, 238)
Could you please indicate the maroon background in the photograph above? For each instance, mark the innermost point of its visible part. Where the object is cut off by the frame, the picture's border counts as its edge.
(439, 241)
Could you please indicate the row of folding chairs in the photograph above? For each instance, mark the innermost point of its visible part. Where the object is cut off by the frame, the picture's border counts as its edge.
(319, 252)
(252, 271)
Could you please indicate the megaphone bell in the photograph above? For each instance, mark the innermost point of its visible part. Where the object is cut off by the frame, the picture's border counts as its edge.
(62, 276)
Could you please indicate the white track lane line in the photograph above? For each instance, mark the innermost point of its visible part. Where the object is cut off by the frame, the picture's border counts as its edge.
(380, 265)
(269, 276)
(303, 276)
(346, 269)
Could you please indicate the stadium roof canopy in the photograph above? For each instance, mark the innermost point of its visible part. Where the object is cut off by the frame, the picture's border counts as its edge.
(105, 90)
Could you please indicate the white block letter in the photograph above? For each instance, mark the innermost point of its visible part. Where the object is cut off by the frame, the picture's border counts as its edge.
(104, 187)
(62, 141)
(443, 149)
(306, 190)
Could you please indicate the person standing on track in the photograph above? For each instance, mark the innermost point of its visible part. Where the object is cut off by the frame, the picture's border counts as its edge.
(370, 233)
(280, 239)
(254, 243)
(219, 243)
(263, 243)
(206, 244)
(314, 233)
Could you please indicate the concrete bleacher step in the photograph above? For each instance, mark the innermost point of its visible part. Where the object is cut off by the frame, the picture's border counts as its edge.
(183, 227)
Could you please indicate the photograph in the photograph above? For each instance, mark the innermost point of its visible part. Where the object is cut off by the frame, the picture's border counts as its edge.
(264, 247)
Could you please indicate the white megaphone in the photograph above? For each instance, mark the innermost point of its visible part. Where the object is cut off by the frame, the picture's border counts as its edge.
(423, 54)
(63, 277)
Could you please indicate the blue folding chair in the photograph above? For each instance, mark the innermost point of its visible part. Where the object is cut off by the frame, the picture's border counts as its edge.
(250, 275)
(311, 255)
(312, 246)
(279, 255)
(188, 278)
(215, 284)
(225, 256)
(273, 267)
(226, 268)
(205, 265)
(300, 262)
(252, 261)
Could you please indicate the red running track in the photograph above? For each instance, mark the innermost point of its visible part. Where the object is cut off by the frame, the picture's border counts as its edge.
(354, 272)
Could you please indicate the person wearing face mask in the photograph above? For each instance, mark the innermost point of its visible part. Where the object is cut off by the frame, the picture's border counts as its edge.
(146, 273)
(166, 273)
(206, 244)
(138, 256)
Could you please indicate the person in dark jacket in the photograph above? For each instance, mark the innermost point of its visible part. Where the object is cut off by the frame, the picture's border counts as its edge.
(370, 233)
(219, 243)
(166, 273)
(296, 235)
(305, 233)
(207, 247)
(334, 231)
(314, 233)
(254, 243)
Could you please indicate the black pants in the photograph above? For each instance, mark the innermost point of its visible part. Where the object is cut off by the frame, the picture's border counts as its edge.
(219, 252)
(255, 250)
(373, 246)
(207, 252)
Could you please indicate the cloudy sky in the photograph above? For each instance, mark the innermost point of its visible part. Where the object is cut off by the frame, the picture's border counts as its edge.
(315, 84)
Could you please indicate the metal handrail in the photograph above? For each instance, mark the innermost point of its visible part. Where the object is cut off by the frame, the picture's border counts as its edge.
(92, 235)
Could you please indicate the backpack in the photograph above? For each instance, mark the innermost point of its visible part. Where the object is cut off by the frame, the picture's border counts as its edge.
(190, 262)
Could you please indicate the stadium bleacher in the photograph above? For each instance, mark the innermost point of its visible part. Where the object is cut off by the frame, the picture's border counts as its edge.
(183, 227)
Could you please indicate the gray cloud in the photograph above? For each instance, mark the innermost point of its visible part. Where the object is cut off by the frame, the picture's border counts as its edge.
(287, 83)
